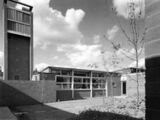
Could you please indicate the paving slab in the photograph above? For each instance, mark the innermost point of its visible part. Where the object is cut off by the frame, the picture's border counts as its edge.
(6, 114)
(41, 112)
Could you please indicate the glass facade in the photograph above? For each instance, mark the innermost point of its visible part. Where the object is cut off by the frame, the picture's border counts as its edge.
(80, 80)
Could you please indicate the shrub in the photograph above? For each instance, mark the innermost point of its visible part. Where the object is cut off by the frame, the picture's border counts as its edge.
(97, 115)
(125, 106)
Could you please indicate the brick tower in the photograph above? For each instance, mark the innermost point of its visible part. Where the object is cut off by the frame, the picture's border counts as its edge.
(18, 41)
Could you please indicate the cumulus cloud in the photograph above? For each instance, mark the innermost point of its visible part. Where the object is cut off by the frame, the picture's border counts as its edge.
(51, 26)
(96, 39)
(55, 57)
(81, 55)
(111, 33)
(87, 55)
(123, 9)
(84, 56)
(141, 63)
(41, 66)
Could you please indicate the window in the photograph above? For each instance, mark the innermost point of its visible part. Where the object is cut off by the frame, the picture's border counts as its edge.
(18, 16)
(81, 83)
(19, 21)
(124, 87)
(63, 82)
(18, 27)
(78, 80)
(81, 73)
(99, 83)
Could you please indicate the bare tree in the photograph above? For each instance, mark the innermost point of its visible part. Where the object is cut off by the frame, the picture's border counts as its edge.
(134, 38)
(114, 62)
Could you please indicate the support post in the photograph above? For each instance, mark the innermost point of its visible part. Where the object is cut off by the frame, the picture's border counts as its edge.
(72, 84)
(91, 85)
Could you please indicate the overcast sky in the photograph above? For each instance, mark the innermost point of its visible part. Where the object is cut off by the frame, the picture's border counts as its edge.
(70, 32)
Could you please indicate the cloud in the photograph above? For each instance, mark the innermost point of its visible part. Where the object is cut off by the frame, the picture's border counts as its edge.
(50, 26)
(141, 63)
(74, 17)
(96, 39)
(122, 7)
(1, 54)
(55, 57)
(81, 55)
(111, 33)
(41, 66)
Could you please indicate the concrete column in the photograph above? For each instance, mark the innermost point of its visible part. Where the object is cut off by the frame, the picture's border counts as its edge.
(91, 86)
(31, 49)
(106, 88)
(5, 43)
(152, 55)
(72, 84)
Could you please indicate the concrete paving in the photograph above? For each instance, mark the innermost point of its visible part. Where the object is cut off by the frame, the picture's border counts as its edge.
(6, 114)
(41, 112)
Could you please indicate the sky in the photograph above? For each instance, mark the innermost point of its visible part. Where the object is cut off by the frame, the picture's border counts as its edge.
(69, 33)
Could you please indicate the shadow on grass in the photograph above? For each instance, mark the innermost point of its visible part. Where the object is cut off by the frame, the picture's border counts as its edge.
(97, 115)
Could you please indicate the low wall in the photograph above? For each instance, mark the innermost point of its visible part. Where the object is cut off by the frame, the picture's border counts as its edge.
(81, 94)
(99, 93)
(63, 95)
(16, 93)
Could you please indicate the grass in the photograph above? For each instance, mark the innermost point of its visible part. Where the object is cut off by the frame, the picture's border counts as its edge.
(115, 109)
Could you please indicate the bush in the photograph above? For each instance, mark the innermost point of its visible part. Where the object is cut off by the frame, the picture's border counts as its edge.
(125, 106)
(97, 115)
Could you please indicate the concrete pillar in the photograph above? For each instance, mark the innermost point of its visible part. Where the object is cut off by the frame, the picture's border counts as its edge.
(91, 86)
(72, 84)
(152, 55)
(106, 88)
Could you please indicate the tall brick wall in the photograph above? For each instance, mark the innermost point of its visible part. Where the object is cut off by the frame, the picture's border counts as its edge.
(15, 93)
(18, 57)
(152, 54)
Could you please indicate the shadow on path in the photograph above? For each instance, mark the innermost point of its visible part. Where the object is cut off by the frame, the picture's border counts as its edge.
(40, 112)
(25, 102)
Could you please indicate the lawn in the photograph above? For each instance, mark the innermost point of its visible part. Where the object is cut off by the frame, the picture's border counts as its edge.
(107, 108)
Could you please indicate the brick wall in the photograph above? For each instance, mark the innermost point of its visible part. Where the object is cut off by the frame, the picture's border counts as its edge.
(63, 95)
(15, 93)
(18, 57)
(82, 94)
(152, 54)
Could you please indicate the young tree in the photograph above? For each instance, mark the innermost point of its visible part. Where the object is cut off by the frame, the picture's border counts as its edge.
(113, 61)
(134, 38)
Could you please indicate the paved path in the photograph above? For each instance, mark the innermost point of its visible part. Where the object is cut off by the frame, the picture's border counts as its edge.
(6, 114)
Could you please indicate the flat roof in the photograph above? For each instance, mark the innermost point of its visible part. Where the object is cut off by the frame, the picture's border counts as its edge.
(77, 69)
